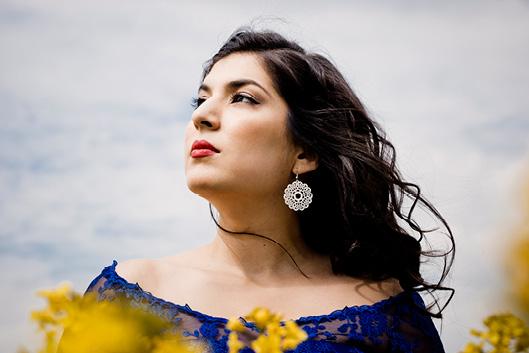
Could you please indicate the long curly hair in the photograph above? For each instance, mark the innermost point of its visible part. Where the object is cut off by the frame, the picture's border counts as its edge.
(357, 216)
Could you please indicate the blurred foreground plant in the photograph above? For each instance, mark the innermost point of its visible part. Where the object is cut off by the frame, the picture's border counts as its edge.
(505, 333)
(508, 333)
(518, 260)
(89, 325)
(275, 337)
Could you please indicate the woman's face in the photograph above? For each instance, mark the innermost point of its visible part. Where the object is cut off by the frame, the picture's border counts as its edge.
(244, 118)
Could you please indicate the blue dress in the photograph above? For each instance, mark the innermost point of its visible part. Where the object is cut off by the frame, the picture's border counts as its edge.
(390, 325)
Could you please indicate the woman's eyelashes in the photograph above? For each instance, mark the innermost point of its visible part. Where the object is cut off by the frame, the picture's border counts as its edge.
(240, 97)
(197, 101)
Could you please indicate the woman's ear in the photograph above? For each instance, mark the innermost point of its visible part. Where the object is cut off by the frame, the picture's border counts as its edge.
(305, 162)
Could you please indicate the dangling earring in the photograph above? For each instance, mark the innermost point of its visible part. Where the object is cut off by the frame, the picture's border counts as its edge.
(297, 195)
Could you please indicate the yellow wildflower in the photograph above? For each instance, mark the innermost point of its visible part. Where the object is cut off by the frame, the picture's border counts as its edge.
(235, 324)
(506, 333)
(170, 343)
(518, 259)
(88, 325)
(275, 328)
(473, 348)
(234, 344)
(267, 344)
(275, 337)
(519, 263)
(293, 336)
(262, 317)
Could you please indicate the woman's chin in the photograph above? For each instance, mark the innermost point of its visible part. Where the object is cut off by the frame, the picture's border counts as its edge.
(202, 185)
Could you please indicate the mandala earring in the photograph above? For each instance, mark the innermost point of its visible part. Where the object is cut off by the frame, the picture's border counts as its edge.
(298, 195)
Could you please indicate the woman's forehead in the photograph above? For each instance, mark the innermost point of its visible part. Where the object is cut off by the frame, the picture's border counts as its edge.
(237, 67)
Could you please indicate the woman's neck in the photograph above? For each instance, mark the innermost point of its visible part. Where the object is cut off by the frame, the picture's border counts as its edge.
(257, 259)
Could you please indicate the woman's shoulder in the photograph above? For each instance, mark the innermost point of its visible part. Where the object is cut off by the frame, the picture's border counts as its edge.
(148, 272)
(139, 270)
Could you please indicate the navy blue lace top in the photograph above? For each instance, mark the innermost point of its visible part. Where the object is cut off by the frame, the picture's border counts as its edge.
(394, 324)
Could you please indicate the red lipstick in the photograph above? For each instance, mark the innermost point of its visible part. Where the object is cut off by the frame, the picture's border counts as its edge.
(202, 148)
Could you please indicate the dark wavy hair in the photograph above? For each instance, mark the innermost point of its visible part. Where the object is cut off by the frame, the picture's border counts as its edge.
(357, 213)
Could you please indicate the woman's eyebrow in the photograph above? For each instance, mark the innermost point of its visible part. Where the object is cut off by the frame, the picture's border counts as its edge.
(235, 84)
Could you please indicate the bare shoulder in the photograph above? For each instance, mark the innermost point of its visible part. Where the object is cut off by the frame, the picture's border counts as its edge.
(141, 271)
(148, 273)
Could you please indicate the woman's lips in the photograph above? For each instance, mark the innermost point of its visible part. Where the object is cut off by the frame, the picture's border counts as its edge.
(199, 153)
(202, 148)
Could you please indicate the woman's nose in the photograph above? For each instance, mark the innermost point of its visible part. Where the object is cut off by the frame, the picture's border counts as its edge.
(205, 116)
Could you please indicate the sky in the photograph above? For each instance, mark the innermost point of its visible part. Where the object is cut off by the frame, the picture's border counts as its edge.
(94, 97)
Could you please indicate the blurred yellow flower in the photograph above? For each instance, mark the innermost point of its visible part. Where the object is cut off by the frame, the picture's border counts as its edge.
(519, 272)
(235, 324)
(274, 337)
(262, 317)
(293, 336)
(88, 325)
(170, 343)
(234, 344)
(473, 348)
(506, 334)
(518, 260)
(267, 344)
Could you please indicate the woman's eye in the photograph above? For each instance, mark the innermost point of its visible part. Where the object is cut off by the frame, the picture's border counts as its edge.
(241, 97)
(196, 102)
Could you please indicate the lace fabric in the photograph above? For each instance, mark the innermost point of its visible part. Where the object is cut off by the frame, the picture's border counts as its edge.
(394, 324)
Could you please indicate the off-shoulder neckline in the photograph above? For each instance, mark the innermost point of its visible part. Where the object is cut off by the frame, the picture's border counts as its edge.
(347, 310)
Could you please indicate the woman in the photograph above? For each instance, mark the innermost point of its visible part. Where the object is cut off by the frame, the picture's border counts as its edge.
(309, 202)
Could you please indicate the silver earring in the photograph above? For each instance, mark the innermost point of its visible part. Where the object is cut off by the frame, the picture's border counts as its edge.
(297, 195)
